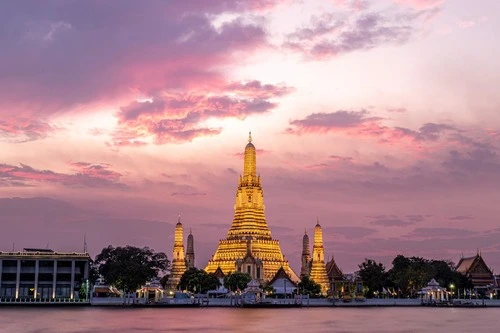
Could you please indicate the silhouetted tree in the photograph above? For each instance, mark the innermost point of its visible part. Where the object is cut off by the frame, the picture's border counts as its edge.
(237, 280)
(128, 268)
(307, 286)
(197, 280)
(373, 275)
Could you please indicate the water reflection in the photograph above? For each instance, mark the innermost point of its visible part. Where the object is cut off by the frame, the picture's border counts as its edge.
(207, 320)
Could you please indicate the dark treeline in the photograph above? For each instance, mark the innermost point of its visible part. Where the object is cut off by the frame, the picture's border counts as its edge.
(408, 275)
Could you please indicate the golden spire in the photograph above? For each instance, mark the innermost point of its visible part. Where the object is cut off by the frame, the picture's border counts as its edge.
(250, 160)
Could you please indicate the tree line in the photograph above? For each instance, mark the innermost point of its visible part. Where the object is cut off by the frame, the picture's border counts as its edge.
(128, 268)
(408, 275)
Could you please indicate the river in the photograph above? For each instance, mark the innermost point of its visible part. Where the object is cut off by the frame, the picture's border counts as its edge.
(208, 320)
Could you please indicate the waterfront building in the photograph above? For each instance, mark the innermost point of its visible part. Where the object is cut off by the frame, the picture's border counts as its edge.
(178, 261)
(306, 256)
(318, 267)
(249, 229)
(338, 283)
(282, 283)
(43, 275)
(151, 292)
(475, 268)
(104, 290)
(190, 251)
(433, 293)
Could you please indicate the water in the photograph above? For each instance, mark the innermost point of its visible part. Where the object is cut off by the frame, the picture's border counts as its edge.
(208, 320)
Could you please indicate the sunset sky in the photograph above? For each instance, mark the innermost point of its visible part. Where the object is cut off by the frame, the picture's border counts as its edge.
(380, 118)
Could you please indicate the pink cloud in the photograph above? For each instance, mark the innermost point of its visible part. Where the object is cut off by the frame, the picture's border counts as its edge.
(178, 117)
(24, 128)
(88, 63)
(361, 124)
(86, 175)
(421, 4)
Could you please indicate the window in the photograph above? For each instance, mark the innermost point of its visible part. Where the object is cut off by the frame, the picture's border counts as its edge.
(258, 272)
(249, 269)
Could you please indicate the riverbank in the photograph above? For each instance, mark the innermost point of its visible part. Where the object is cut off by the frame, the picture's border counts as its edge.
(278, 303)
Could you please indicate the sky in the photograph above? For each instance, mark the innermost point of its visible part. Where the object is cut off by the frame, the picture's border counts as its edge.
(379, 118)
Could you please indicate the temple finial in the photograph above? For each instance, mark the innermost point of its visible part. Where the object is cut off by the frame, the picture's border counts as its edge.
(190, 230)
(249, 136)
(317, 220)
(179, 219)
(305, 231)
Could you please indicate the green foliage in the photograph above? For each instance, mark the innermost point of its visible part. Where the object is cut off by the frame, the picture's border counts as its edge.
(197, 280)
(128, 268)
(93, 272)
(164, 280)
(237, 280)
(373, 275)
(307, 286)
(410, 274)
(268, 288)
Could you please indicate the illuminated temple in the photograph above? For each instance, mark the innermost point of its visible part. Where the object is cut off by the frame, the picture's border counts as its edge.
(178, 261)
(249, 247)
(318, 268)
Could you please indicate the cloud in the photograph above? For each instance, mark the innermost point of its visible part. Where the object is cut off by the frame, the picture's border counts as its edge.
(397, 110)
(438, 232)
(461, 217)
(395, 221)
(421, 4)
(350, 232)
(24, 129)
(331, 35)
(96, 54)
(324, 122)
(361, 124)
(85, 174)
(179, 117)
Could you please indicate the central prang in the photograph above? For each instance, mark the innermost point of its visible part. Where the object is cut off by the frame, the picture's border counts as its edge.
(249, 246)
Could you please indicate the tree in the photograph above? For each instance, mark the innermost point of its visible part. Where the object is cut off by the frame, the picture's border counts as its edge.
(237, 281)
(268, 288)
(373, 275)
(128, 268)
(309, 287)
(164, 280)
(197, 280)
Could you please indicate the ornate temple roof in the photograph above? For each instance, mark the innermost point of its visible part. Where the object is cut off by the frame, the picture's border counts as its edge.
(333, 271)
(282, 274)
(466, 265)
(219, 273)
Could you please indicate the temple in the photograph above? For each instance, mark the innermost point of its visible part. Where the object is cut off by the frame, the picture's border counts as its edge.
(306, 256)
(476, 269)
(249, 246)
(318, 268)
(178, 262)
(190, 251)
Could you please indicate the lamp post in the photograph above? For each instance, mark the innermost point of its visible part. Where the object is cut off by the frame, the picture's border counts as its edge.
(452, 286)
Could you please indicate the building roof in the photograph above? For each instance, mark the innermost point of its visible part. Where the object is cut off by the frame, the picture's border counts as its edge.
(282, 274)
(333, 271)
(219, 273)
(467, 265)
(30, 253)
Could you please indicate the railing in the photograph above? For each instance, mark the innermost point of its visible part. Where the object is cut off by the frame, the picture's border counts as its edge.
(27, 300)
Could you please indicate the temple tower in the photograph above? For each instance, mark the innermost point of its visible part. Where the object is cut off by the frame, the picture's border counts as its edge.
(178, 262)
(190, 251)
(318, 267)
(249, 227)
(306, 256)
